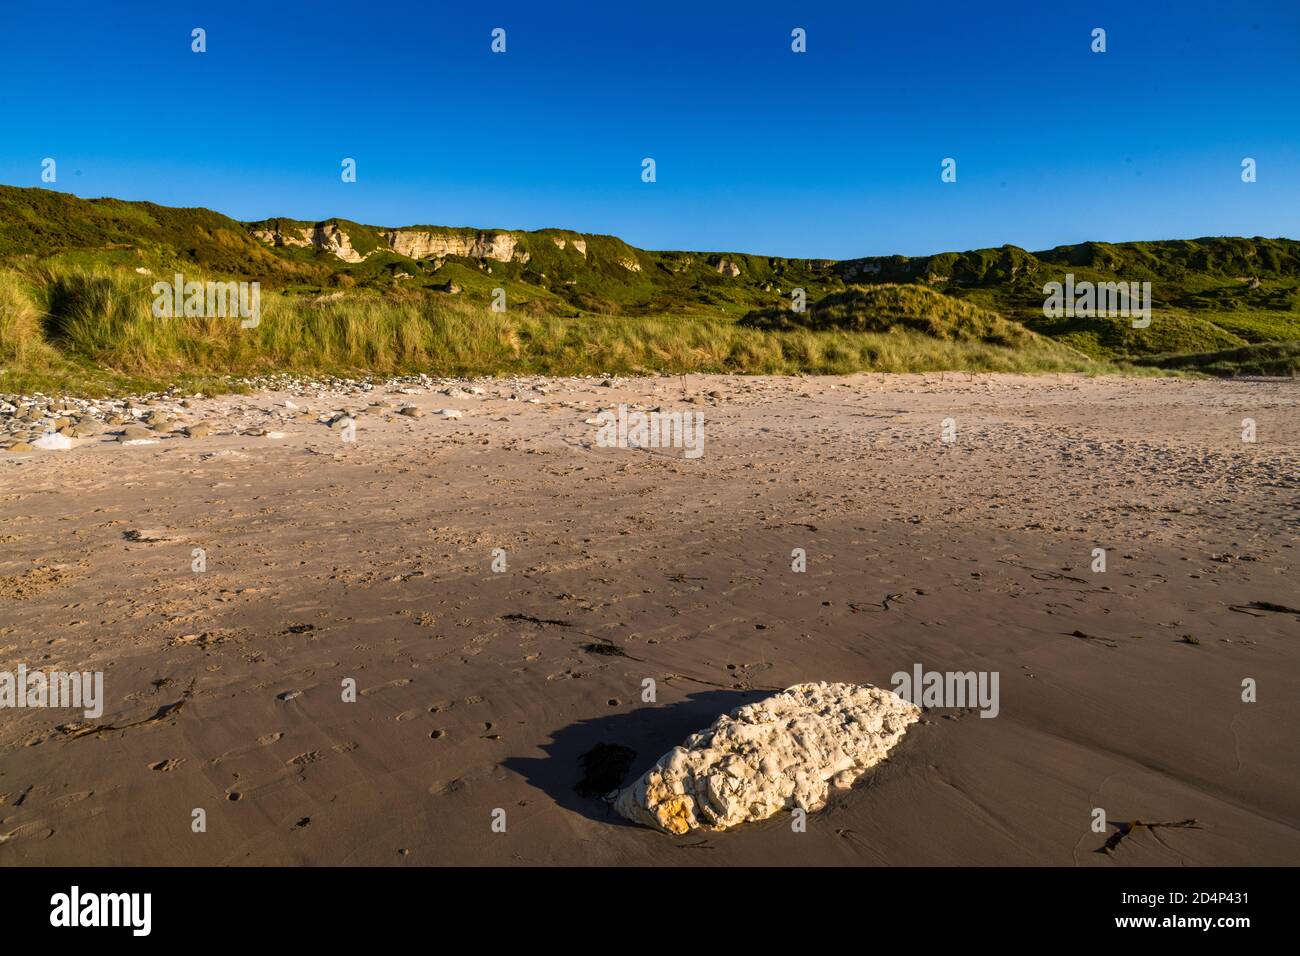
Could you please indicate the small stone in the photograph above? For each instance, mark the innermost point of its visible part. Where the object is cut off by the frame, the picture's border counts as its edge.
(148, 534)
(53, 442)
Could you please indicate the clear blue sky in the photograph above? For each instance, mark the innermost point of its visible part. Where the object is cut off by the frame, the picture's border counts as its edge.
(832, 153)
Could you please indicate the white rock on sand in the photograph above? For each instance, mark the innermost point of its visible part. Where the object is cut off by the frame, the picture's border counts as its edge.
(776, 754)
(53, 442)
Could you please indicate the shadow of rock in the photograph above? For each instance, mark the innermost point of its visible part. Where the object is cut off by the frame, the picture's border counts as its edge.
(651, 731)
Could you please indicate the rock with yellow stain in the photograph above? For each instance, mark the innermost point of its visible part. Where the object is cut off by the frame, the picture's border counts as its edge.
(779, 753)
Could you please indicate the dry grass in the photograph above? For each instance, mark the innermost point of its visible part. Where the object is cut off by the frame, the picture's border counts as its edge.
(86, 330)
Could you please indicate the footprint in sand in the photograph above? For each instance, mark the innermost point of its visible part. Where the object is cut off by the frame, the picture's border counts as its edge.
(263, 741)
(400, 682)
(68, 799)
(27, 831)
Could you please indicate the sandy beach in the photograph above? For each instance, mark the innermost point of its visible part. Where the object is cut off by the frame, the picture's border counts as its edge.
(479, 690)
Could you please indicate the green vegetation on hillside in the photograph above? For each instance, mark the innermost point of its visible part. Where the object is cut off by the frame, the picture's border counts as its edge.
(1276, 359)
(1207, 294)
(75, 276)
(886, 308)
(99, 336)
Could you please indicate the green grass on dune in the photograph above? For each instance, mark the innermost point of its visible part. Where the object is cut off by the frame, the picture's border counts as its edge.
(94, 332)
(1272, 359)
(22, 338)
(75, 274)
(888, 308)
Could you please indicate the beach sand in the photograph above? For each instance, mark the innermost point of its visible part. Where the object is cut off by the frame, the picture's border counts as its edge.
(479, 691)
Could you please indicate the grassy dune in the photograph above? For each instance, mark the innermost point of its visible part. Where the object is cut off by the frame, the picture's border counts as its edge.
(93, 332)
(1273, 358)
(885, 308)
(339, 297)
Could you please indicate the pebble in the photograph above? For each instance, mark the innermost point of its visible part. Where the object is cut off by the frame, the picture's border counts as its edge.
(135, 433)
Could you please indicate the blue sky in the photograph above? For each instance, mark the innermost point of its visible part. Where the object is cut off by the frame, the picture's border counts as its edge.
(833, 153)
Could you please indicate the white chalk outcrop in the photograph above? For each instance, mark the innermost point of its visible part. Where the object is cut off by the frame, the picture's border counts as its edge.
(326, 236)
(725, 267)
(579, 245)
(421, 244)
(412, 243)
(281, 236)
(779, 753)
